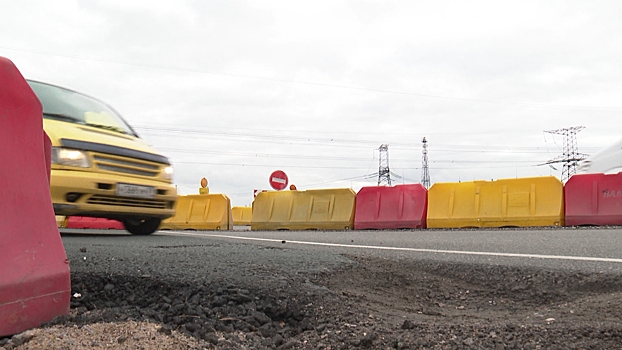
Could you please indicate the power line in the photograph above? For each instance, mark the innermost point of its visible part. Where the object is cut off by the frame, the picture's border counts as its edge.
(291, 81)
(333, 142)
(329, 158)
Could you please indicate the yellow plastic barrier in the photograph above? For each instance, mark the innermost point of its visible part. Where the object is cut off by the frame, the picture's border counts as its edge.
(200, 212)
(329, 209)
(61, 221)
(242, 216)
(534, 201)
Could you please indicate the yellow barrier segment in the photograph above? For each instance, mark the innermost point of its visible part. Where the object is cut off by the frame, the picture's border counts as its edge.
(533, 201)
(200, 212)
(242, 216)
(61, 221)
(326, 209)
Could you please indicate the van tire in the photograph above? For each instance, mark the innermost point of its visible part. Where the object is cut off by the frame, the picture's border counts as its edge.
(142, 227)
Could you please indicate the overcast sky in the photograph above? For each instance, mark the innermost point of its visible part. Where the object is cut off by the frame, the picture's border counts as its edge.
(233, 90)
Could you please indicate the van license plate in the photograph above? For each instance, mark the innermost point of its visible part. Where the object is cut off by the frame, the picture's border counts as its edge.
(136, 191)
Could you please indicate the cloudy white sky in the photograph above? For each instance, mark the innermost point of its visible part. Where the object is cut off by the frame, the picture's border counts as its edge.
(233, 90)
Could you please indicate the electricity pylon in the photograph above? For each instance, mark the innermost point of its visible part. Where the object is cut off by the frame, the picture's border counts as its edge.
(570, 156)
(384, 173)
(425, 173)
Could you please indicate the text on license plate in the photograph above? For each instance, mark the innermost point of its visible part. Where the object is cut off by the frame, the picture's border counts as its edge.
(137, 191)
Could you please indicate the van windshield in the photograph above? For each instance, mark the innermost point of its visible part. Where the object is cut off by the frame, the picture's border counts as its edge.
(73, 107)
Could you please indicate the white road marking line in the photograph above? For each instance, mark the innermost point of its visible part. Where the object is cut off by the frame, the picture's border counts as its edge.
(421, 250)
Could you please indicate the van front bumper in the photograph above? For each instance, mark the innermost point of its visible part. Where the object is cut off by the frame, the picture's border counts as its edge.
(83, 193)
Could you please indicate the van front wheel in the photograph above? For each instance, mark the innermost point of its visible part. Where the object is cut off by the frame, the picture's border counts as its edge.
(142, 227)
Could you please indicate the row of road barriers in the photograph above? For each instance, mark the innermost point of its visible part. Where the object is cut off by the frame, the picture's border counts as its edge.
(587, 199)
(502, 203)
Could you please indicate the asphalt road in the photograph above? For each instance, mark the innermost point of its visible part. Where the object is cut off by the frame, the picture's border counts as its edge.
(445, 289)
(584, 249)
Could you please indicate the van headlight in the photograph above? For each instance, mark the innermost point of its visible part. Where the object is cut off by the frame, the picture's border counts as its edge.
(70, 157)
(167, 173)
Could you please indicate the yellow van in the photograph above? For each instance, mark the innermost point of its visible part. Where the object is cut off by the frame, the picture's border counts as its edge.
(100, 167)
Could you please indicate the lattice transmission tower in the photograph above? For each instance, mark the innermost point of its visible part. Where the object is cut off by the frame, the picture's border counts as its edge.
(425, 172)
(384, 173)
(570, 155)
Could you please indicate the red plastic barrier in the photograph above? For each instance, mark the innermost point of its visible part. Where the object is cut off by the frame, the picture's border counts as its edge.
(93, 223)
(593, 199)
(402, 206)
(34, 271)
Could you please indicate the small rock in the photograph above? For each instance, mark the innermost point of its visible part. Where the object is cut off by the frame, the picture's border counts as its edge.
(267, 331)
(165, 330)
(368, 339)
(212, 338)
(261, 318)
(121, 340)
(290, 344)
(242, 298)
(306, 324)
(22, 338)
(277, 340)
(408, 325)
(550, 320)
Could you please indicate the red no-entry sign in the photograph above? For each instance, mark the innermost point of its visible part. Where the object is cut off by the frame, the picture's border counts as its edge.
(278, 180)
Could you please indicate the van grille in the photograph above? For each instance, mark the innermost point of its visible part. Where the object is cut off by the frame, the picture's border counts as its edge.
(126, 166)
(127, 202)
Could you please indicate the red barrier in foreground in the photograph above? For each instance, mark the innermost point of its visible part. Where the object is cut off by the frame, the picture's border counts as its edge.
(593, 199)
(85, 222)
(34, 271)
(398, 207)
